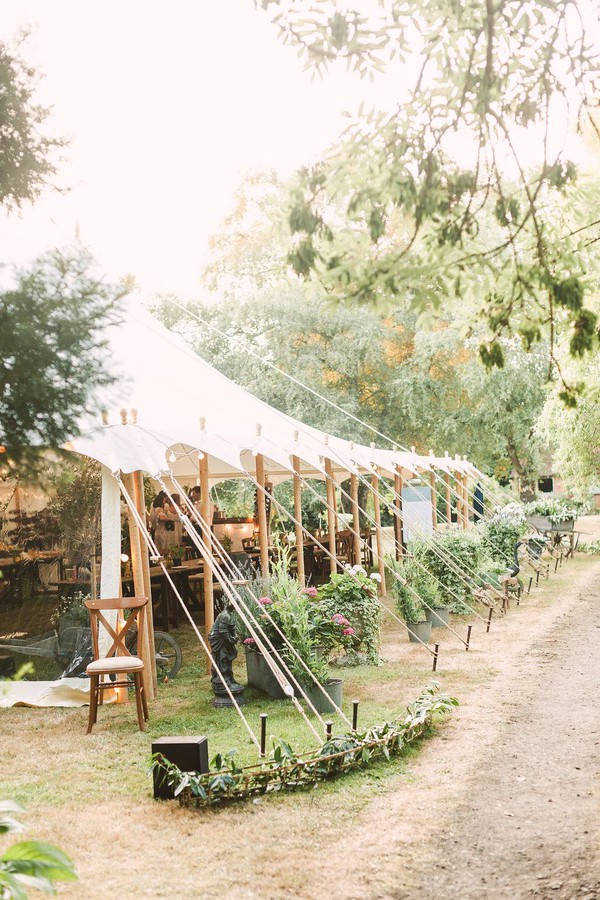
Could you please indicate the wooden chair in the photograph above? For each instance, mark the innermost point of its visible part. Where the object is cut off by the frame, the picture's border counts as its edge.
(118, 660)
(344, 548)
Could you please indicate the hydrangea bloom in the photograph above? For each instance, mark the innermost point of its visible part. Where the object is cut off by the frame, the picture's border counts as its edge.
(310, 592)
(249, 640)
(375, 576)
(348, 630)
(265, 601)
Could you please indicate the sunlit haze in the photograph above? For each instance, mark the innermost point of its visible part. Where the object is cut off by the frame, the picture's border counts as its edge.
(165, 107)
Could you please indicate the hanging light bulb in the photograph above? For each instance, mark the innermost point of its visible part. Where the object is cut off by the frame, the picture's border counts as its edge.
(200, 454)
(124, 558)
(172, 457)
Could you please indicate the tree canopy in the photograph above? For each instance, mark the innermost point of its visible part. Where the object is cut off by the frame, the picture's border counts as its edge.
(418, 386)
(50, 352)
(464, 190)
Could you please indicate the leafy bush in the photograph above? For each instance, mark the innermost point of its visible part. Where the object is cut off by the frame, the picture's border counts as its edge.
(414, 589)
(353, 594)
(464, 549)
(501, 531)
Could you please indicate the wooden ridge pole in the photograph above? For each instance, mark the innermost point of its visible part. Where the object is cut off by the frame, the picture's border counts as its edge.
(331, 516)
(261, 505)
(355, 519)
(140, 505)
(139, 588)
(378, 531)
(298, 522)
(207, 578)
(398, 485)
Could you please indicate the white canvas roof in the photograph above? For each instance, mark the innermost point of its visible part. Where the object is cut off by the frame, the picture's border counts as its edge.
(175, 404)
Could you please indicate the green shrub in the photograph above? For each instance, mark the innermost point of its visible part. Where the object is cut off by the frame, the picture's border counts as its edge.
(465, 552)
(416, 592)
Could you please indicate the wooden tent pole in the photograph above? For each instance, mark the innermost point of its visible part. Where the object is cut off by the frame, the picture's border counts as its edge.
(207, 577)
(378, 531)
(261, 504)
(298, 522)
(434, 518)
(463, 506)
(448, 498)
(467, 502)
(398, 485)
(140, 505)
(331, 516)
(139, 587)
(355, 519)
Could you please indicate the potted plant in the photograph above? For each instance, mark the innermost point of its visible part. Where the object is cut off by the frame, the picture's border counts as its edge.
(409, 603)
(177, 554)
(352, 594)
(290, 611)
(553, 514)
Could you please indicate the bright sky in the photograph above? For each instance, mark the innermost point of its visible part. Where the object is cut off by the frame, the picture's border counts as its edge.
(166, 105)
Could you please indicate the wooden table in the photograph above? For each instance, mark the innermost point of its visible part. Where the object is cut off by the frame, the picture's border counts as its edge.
(164, 601)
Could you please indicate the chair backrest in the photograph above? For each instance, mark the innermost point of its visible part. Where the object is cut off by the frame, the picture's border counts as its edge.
(96, 608)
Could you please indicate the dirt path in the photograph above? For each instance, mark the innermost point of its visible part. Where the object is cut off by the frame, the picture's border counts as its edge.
(508, 806)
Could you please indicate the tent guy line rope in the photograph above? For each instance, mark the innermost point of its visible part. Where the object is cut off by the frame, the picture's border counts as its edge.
(205, 550)
(298, 383)
(153, 549)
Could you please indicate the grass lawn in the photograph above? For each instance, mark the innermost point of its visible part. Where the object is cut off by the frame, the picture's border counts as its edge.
(92, 794)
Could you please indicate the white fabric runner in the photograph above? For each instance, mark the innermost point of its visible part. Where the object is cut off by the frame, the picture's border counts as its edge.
(63, 692)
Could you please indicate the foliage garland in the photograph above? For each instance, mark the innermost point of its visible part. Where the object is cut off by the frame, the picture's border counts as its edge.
(286, 770)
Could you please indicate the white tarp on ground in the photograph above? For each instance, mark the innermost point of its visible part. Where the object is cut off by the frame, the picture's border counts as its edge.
(183, 405)
(63, 692)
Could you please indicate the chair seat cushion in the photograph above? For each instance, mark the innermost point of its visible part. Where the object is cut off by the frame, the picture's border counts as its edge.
(115, 664)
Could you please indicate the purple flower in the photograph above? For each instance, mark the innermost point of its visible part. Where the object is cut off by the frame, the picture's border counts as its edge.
(265, 601)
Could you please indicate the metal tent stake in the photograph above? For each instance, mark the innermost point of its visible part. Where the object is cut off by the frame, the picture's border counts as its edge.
(489, 620)
(328, 729)
(263, 735)
(469, 629)
(355, 715)
(436, 650)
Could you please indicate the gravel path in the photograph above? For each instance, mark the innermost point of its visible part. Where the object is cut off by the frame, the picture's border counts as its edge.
(530, 821)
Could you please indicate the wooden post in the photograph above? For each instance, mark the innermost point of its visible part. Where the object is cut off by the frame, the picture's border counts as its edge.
(460, 490)
(139, 587)
(465, 495)
(261, 505)
(140, 505)
(398, 484)
(468, 505)
(298, 522)
(448, 498)
(378, 532)
(331, 516)
(207, 579)
(355, 519)
(434, 518)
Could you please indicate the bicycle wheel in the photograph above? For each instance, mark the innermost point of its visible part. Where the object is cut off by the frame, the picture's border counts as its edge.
(168, 655)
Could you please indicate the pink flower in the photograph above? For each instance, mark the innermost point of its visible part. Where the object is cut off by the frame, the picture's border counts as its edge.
(249, 641)
(348, 631)
(265, 601)
(338, 619)
(310, 592)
